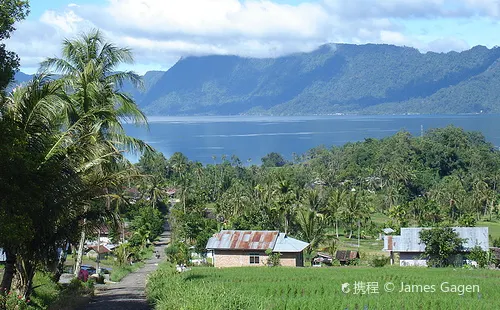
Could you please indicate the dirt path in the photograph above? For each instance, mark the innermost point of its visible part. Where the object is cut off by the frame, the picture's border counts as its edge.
(129, 293)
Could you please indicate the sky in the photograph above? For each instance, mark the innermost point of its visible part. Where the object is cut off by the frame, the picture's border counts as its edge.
(160, 32)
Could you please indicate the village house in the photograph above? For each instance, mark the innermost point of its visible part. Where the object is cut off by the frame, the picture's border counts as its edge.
(235, 248)
(411, 249)
(101, 251)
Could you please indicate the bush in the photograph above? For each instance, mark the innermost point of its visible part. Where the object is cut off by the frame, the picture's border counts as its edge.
(353, 262)
(177, 253)
(8, 301)
(273, 258)
(479, 256)
(379, 261)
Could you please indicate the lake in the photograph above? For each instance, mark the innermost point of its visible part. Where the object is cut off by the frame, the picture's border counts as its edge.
(251, 137)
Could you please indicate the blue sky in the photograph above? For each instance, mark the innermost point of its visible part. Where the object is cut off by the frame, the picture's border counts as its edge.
(162, 31)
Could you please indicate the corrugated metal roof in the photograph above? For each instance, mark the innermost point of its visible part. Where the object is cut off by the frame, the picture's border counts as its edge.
(286, 244)
(409, 240)
(243, 240)
(346, 255)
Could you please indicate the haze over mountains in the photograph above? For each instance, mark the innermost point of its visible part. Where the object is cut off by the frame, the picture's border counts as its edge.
(335, 78)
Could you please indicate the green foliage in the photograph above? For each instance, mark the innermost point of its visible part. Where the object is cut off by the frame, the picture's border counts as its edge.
(496, 242)
(61, 155)
(441, 244)
(273, 160)
(11, 11)
(379, 261)
(273, 259)
(147, 224)
(9, 301)
(178, 253)
(479, 256)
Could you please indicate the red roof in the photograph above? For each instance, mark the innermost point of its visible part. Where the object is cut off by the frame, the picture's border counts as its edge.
(243, 240)
(102, 249)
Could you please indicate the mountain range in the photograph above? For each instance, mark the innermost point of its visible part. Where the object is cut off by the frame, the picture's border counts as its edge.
(335, 78)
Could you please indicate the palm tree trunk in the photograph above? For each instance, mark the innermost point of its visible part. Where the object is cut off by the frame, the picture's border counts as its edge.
(79, 257)
(9, 271)
(97, 267)
(337, 227)
(359, 230)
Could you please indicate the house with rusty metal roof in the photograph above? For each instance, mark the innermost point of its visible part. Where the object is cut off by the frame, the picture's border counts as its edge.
(235, 248)
(411, 248)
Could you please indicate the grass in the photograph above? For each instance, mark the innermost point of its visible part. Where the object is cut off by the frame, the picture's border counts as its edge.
(493, 228)
(318, 288)
(120, 272)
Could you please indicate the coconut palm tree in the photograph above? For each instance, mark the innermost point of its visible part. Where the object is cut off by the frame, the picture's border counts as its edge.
(52, 187)
(97, 108)
(88, 67)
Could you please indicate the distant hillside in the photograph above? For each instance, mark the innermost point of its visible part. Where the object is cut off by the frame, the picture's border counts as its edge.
(336, 78)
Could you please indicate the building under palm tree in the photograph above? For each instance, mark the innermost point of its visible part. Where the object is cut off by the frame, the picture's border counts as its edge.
(411, 248)
(237, 248)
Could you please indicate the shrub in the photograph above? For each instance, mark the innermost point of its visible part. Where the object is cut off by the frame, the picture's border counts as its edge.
(479, 256)
(273, 258)
(379, 261)
(177, 253)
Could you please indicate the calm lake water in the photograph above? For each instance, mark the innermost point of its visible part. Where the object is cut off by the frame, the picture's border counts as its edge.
(200, 138)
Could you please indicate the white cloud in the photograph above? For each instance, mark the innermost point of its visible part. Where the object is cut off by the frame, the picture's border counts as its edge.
(446, 45)
(68, 22)
(161, 31)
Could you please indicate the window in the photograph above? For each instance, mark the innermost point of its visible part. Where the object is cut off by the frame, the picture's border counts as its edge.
(254, 259)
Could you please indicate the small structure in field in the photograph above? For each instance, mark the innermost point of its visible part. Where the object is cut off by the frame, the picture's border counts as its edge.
(347, 257)
(235, 248)
(322, 258)
(411, 249)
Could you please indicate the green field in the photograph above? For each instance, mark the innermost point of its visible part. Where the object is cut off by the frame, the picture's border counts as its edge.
(320, 288)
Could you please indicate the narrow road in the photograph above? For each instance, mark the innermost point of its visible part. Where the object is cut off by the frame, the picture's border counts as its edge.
(129, 293)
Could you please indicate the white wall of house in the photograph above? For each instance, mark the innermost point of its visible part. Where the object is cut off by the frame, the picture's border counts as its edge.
(412, 259)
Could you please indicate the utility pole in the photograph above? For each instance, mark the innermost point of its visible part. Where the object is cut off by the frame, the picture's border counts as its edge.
(421, 130)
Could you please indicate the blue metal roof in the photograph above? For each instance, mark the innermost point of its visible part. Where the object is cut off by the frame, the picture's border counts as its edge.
(409, 240)
(288, 244)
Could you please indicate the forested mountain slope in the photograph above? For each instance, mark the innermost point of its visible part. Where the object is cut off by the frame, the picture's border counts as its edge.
(335, 78)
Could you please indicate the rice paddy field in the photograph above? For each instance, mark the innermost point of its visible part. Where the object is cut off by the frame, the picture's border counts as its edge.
(321, 288)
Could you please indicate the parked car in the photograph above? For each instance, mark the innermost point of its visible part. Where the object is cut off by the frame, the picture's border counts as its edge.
(90, 269)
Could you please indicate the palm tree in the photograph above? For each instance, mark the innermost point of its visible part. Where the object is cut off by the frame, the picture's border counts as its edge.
(334, 205)
(311, 227)
(285, 198)
(30, 122)
(88, 67)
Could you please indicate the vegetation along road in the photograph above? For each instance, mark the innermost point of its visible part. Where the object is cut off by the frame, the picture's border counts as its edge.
(129, 292)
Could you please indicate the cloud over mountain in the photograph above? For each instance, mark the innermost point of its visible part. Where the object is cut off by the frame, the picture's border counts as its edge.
(161, 31)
